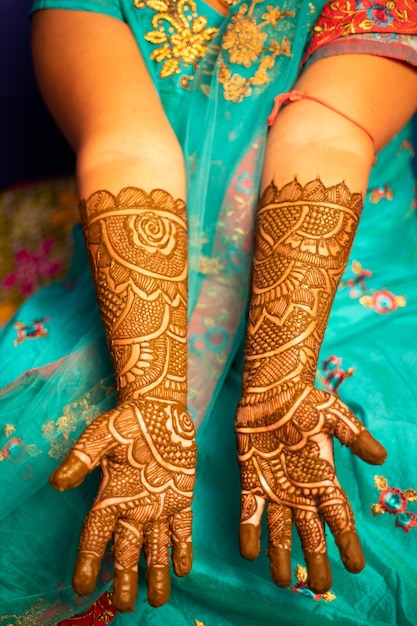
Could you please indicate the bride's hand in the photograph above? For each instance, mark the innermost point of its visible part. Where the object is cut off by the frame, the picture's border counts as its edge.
(286, 459)
(147, 453)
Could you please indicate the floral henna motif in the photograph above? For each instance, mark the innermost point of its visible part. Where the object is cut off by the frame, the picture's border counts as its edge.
(284, 426)
(137, 243)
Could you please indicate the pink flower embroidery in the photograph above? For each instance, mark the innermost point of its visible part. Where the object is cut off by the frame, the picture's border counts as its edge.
(383, 301)
(32, 266)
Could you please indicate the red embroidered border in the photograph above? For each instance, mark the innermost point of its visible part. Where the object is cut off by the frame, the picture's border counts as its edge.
(101, 613)
(341, 18)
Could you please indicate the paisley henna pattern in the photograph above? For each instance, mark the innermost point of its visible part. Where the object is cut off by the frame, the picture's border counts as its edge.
(285, 426)
(137, 244)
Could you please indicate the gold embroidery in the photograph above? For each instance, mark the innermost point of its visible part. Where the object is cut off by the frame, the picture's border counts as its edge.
(34, 616)
(246, 42)
(182, 36)
(9, 429)
(74, 414)
(302, 576)
(211, 265)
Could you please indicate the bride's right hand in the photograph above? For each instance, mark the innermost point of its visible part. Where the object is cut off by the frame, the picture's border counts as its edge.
(147, 453)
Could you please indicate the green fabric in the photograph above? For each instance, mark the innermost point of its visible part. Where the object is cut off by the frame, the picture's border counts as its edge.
(63, 378)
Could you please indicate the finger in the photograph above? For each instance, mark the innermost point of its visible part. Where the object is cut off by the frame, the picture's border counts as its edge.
(279, 521)
(251, 509)
(157, 544)
(352, 433)
(182, 547)
(96, 533)
(97, 440)
(367, 448)
(70, 473)
(87, 452)
(337, 513)
(313, 541)
(127, 546)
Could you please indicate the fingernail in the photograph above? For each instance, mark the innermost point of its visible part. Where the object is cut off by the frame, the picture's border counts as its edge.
(86, 571)
(249, 541)
(280, 566)
(69, 474)
(159, 585)
(125, 590)
(350, 551)
(182, 557)
(319, 573)
(369, 449)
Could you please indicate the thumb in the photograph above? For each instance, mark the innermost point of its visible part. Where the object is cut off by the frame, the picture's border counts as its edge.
(70, 473)
(367, 448)
(352, 433)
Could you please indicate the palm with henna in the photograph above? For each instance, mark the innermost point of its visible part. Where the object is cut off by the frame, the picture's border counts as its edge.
(137, 243)
(285, 426)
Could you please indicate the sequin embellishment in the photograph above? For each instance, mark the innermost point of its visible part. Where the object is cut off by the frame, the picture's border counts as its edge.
(180, 35)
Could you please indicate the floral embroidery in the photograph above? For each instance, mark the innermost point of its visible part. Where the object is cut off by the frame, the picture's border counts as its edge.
(43, 212)
(101, 613)
(394, 501)
(182, 36)
(376, 12)
(301, 587)
(380, 193)
(383, 301)
(30, 266)
(17, 451)
(80, 412)
(245, 42)
(197, 623)
(333, 375)
(35, 330)
(356, 284)
(211, 265)
(341, 18)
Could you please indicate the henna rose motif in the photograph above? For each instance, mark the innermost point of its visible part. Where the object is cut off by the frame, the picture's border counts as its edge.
(153, 233)
(145, 447)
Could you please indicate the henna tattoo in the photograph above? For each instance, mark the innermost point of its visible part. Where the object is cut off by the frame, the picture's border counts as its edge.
(302, 242)
(157, 542)
(129, 539)
(137, 245)
(248, 506)
(181, 525)
(280, 522)
(284, 426)
(148, 473)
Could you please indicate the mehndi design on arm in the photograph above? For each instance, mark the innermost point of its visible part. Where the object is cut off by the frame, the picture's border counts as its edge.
(137, 244)
(284, 425)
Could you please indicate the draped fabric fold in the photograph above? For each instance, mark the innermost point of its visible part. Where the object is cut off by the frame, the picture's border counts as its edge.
(218, 90)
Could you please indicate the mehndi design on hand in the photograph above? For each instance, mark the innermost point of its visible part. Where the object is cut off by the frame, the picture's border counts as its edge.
(137, 245)
(284, 425)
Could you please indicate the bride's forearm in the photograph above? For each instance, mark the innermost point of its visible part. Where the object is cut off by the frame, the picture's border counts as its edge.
(303, 237)
(137, 244)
